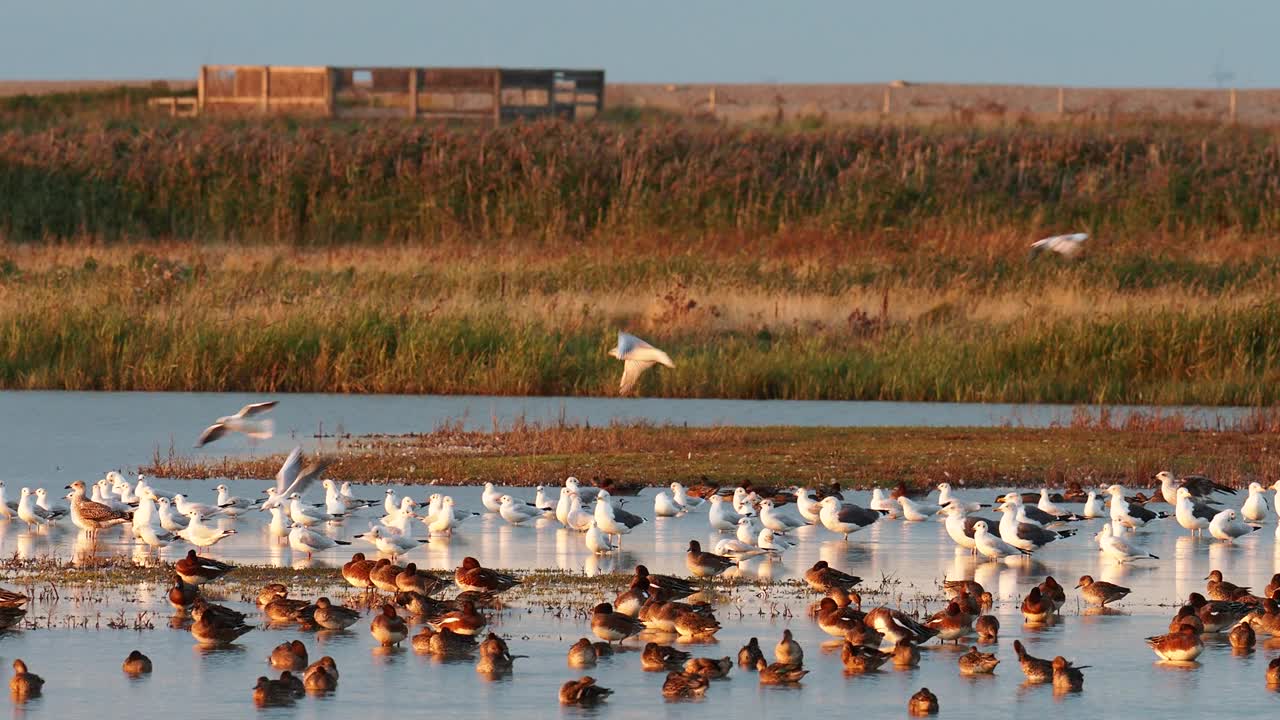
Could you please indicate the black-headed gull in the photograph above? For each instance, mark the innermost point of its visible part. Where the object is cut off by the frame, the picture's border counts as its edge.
(636, 356)
(246, 422)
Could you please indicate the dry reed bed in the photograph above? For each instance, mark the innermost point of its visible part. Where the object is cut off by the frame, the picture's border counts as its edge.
(544, 182)
(1085, 451)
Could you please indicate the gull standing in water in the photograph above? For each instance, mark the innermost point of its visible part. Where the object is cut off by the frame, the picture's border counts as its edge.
(682, 496)
(1226, 525)
(1192, 515)
(92, 516)
(31, 513)
(1200, 487)
(636, 356)
(1093, 507)
(776, 520)
(306, 540)
(722, 516)
(1255, 506)
(169, 520)
(917, 511)
(945, 495)
(518, 513)
(614, 521)
(666, 506)
(598, 542)
(1026, 536)
(991, 545)
(845, 518)
(1119, 549)
(201, 535)
(880, 503)
(579, 518)
(247, 422)
(1050, 506)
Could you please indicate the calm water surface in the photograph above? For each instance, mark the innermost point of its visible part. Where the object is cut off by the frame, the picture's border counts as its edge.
(906, 559)
(68, 434)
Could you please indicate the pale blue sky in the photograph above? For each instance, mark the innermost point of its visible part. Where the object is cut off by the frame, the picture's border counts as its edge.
(1070, 42)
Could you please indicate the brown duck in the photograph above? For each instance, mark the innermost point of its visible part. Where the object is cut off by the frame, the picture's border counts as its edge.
(978, 663)
(583, 692)
(656, 657)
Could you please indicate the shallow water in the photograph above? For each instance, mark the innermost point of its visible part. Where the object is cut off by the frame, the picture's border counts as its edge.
(64, 435)
(907, 560)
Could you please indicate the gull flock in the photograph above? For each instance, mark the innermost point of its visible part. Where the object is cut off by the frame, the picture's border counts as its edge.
(751, 525)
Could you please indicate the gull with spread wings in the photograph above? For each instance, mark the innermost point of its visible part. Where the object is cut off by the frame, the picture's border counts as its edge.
(294, 477)
(636, 356)
(247, 422)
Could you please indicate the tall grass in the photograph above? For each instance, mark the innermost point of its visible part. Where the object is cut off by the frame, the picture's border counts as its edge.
(547, 182)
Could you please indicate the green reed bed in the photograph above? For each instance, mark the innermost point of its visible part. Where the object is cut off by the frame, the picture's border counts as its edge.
(545, 182)
(1209, 356)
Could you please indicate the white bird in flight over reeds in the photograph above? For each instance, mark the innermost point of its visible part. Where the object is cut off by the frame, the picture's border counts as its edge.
(1065, 245)
(245, 422)
(636, 356)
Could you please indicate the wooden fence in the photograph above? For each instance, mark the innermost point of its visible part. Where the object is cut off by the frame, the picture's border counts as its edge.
(492, 94)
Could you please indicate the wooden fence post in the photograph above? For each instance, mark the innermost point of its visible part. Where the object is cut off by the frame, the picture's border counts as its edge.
(497, 97)
(887, 107)
(711, 100)
(330, 104)
(204, 69)
(1062, 101)
(266, 88)
(413, 93)
(1232, 105)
